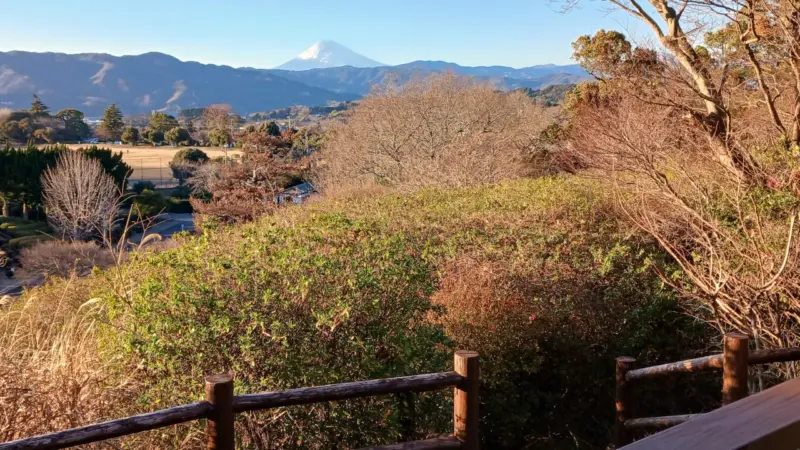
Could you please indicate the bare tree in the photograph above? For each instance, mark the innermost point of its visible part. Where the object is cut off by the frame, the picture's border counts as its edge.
(204, 177)
(218, 117)
(441, 130)
(735, 243)
(81, 199)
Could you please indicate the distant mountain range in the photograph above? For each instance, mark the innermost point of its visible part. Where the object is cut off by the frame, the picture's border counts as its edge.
(155, 81)
(143, 83)
(356, 80)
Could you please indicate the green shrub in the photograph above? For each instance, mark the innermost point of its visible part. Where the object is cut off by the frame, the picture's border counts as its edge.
(23, 228)
(142, 185)
(181, 192)
(541, 278)
(179, 205)
(328, 301)
(149, 204)
(12, 221)
(192, 155)
(28, 241)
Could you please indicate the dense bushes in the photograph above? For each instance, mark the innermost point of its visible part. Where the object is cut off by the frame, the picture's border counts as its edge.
(535, 274)
(140, 186)
(542, 280)
(28, 241)
(177, 205)
(61, 258)
(328, 301)
(149, 203)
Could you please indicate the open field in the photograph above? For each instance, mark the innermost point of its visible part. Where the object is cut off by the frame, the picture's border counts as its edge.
(152, 163)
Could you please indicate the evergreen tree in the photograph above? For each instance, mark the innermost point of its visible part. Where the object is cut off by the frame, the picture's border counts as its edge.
(163, 122)
(130, 136)
(38, 108)
(74, 123)
(112, 123)
(154, 136)
(273, 129)
(177, 135)
(219, 138)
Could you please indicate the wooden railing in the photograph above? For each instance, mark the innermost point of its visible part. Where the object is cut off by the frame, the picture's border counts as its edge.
(734, 361)
(221, 406)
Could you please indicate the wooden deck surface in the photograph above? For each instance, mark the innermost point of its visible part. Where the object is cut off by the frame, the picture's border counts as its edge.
(767, 420)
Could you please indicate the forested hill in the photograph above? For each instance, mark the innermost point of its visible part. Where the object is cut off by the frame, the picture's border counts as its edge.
(359, 80)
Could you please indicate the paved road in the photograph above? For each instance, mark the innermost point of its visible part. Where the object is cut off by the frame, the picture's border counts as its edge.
(13, 286)
(168, 225)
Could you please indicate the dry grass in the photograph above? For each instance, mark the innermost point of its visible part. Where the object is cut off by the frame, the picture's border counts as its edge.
(60, 258)
(152, 163)
(53, 374)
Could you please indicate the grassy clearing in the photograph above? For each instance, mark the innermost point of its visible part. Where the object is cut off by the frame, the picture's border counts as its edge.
(152, 163)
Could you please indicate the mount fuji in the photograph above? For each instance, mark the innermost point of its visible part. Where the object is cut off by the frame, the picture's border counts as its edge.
(325, 54)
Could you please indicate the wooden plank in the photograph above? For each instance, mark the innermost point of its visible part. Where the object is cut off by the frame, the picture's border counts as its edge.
(768, 419)
(659, 422)
(686, 366)
(112, 429)
(428, 444)
(317, 394)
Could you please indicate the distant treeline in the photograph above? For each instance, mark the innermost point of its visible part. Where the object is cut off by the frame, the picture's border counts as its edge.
(39, 125)
(21, 171)
(298, 112)
(553, 95)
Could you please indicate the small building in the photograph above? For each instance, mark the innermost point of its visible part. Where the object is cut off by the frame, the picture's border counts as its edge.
(296, 194)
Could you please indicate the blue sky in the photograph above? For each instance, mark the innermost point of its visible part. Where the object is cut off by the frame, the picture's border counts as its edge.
(266, 33)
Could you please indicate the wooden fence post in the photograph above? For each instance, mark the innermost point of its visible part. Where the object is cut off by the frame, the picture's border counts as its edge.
(465, 403)
(219, 427)
(734, 368)
(624, 401)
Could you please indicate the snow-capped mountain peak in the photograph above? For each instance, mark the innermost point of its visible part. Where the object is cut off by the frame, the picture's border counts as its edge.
(328, 54)
(313, 51)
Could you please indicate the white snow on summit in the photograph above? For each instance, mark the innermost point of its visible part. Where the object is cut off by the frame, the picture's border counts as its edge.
(328, 54)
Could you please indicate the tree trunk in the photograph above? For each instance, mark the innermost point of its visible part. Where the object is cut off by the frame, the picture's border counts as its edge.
(716, 120)
(794, 138)
(5, 206)
(25, 211)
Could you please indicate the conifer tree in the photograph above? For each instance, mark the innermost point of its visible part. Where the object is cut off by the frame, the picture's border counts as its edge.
(112, 124)
(38, 108)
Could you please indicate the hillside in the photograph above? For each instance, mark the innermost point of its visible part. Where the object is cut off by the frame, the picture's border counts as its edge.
(143, 83)
(359, 81)
(533, 274)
